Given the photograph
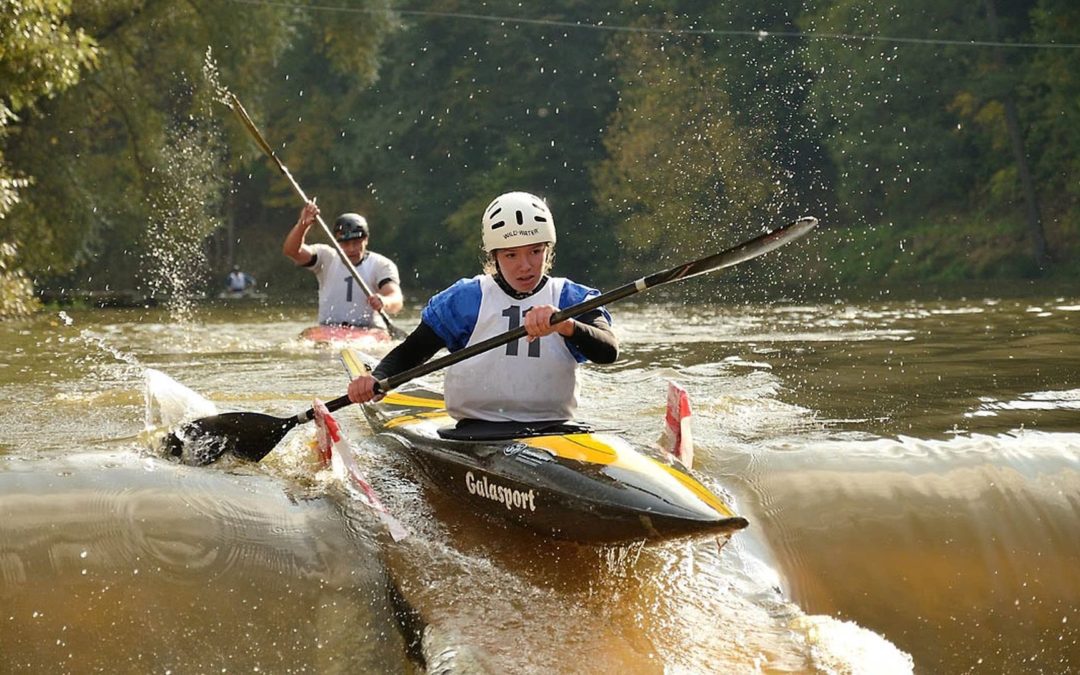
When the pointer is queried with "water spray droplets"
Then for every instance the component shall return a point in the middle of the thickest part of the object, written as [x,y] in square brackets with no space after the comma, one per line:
[213,77]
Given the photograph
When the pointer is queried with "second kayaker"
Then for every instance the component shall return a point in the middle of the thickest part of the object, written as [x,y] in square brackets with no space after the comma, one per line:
[341,303]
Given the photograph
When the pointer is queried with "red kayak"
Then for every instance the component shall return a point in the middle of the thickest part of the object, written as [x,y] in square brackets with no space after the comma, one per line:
[353,335]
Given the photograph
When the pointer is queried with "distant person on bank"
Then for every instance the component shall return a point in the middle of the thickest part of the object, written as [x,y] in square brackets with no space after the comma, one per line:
[341,301]
[238,282]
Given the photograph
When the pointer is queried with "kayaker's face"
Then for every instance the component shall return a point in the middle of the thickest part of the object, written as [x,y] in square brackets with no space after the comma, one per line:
[354,249]
[522,266]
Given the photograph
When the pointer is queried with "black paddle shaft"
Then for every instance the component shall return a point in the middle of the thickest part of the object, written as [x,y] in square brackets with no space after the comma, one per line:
[732,256]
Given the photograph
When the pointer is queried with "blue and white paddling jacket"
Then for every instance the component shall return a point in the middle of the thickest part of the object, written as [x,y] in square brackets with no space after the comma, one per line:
[521,381]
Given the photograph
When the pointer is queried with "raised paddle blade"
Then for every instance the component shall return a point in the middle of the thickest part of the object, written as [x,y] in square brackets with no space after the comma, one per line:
[245,434]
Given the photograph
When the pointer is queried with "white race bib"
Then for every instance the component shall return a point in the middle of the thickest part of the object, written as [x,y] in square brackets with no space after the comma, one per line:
[521,381]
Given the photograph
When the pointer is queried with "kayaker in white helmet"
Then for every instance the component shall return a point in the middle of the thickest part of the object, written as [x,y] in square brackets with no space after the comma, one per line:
[528,380]
[341,301]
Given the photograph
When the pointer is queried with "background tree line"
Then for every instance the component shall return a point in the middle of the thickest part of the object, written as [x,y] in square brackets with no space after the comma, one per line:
[937,141]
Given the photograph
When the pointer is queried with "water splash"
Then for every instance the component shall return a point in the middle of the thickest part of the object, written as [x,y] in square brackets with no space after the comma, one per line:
[186,197]
[620,560]
[845,647]
[213,77]
[130,368]
[169,403]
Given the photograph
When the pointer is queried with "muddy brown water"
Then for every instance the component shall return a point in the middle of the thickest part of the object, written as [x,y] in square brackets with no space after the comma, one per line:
[909,469]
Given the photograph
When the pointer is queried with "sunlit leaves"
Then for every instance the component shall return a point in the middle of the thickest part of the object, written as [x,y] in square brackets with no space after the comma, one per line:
[98,152]
[16,291]
[41,53]
[680,168]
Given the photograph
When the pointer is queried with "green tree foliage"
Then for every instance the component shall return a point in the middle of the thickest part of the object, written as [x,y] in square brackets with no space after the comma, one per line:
[932,135]
[16,291]
[102,155]
[135,150]
[681,171]
[886,106]
[1051,106]
[40,56]
[463,110]
[299,103]
[708,117]
[766,79]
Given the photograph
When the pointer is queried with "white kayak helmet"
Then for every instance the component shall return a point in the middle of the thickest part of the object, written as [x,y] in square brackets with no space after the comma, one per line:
[517,219]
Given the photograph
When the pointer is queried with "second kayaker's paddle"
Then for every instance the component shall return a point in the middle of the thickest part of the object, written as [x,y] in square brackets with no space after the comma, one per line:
[230,99]
[253,435]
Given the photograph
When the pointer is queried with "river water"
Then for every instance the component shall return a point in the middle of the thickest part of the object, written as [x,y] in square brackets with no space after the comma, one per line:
[910,470]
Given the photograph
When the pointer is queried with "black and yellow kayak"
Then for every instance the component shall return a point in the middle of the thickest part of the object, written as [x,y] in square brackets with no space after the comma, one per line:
[565,480]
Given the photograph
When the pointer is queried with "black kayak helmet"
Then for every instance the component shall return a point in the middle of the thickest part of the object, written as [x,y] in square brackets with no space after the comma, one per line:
[350,226]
